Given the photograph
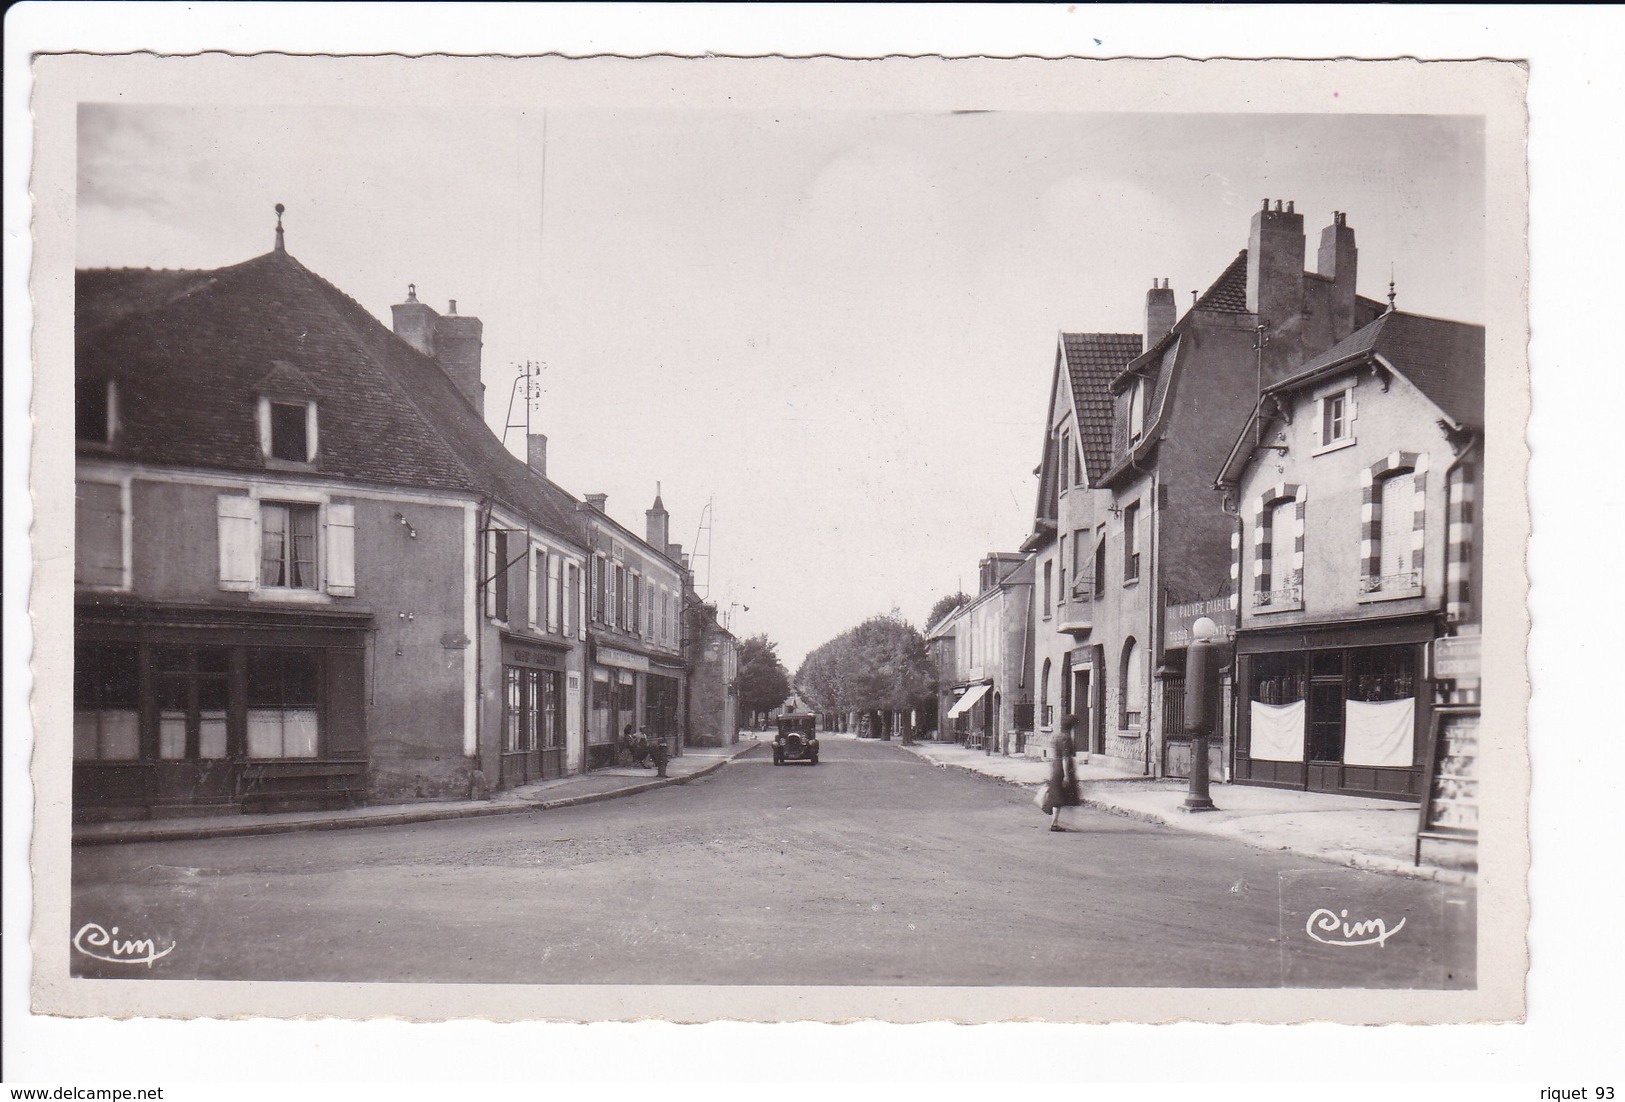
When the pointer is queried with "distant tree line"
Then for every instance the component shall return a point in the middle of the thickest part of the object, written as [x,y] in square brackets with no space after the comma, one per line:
[875,674]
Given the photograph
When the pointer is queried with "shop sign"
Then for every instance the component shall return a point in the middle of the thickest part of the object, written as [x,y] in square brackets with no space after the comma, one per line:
[610,656]
[1457,657]
[530,656]
[1177,621]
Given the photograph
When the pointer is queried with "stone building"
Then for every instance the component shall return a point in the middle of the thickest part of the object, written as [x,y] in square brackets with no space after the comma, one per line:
[306,571]
[635,626]
[1356,549]
[982,672]
[713,657]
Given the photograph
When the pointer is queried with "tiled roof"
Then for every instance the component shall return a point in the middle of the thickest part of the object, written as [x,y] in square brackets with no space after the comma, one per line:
[1092,361]
[192,350]
[1228,295]
[1443,359]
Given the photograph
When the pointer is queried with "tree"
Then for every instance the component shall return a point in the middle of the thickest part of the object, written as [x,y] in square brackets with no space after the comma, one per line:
[881,665]
[763,681]
[943,607]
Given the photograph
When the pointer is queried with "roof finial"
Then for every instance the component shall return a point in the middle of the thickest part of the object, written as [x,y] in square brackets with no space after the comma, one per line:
[1391,287]
[279,247]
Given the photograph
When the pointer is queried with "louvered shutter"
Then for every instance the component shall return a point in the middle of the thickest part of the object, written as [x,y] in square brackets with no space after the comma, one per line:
[237,516]
[341,550]
[552,581]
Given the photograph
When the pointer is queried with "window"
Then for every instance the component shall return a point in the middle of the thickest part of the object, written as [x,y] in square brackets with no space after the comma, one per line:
[634,604]
[99,535]
[1334,426]
[95,412]
[1046,710]
[617,584]
[599,588]
[554,581]
[1133,689]
[1131,551]
[1077,467]
[1100,561]
[573,589]
[287,546]
[536,589]
[271,547]
[288,430]
[283,716]
[106,702]
[1049,572]
[194,685]
[1279,580]
[1392,565]
[1064,471]
[531,717]
[1060,595]
[1136,411]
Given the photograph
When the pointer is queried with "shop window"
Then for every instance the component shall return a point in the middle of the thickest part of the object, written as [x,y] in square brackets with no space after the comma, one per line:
[106,702]
[95,412]
[1133,691]
[194,687]
[287,546]
[283,708]
[288,431]
[1131,548]
[99,545]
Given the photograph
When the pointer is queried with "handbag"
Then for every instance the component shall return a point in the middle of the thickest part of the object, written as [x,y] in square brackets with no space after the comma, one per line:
[1041,799]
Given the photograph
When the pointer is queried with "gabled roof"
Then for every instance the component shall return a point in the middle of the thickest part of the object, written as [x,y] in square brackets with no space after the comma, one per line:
[1228,294]
[1442,359]
[192,350]
[1092,361]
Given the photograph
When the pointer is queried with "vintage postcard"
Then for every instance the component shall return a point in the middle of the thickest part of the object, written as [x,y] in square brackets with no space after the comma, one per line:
[585,539]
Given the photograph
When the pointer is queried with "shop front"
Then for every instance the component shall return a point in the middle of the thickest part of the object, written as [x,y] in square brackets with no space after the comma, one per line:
[533,711]
[662,705]
[1336,708]
[617,683]
[187,712]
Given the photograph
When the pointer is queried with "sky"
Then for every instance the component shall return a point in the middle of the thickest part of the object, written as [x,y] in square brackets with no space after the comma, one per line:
[828,334]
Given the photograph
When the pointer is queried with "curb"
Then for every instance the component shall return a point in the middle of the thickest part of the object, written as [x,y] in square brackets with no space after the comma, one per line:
[400,818]
[1462,877]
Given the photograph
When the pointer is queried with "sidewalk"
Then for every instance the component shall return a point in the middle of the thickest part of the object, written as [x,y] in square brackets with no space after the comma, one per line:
[1378,835]
[601,784]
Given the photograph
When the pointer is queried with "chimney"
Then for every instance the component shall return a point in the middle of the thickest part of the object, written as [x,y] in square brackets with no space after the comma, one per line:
[536,453]
[1339,262]
[1160,313]
[1275,265]
[451,340]
[674,551]
[597,501]
[658,522]
[457,341]
[414,322]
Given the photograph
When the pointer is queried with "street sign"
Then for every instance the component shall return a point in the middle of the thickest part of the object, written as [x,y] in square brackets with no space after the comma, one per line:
[1457,657]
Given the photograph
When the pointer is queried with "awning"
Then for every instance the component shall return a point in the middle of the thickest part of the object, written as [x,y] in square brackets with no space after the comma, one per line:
[972,695]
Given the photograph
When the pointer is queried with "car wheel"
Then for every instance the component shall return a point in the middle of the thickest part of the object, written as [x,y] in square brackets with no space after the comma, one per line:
[813,760]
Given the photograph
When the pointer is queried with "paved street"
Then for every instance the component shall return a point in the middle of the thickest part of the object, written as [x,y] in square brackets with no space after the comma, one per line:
[875,867]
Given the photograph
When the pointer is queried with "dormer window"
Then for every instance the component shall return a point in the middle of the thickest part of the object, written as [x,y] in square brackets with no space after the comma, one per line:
[1136,412]
[95,412]
[288,430]
[1334,427]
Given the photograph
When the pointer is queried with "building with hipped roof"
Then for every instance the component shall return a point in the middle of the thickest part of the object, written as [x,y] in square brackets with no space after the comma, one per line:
[980,652]
[306,570]
[1356,552]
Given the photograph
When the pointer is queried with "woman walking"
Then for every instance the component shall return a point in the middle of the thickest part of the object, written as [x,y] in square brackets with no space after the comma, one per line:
[1063,774]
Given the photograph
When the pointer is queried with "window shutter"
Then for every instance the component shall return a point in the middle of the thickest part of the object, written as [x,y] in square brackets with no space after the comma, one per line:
[490,573]
[554,564]
[99,535]
[237,516]
[530,586]
[341,550]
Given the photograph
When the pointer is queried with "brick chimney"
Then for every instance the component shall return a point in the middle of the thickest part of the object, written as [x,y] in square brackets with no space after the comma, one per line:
[1160,313]
[1339,262]
[1275,265]
[658,522]
[414,321]
[674,551]
[597,501]
[457,341]
[451,340]
[536,453]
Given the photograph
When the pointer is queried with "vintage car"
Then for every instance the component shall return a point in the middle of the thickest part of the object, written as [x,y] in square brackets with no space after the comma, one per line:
[797,739]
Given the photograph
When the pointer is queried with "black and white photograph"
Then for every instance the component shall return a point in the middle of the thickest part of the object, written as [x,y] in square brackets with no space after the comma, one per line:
[917,539]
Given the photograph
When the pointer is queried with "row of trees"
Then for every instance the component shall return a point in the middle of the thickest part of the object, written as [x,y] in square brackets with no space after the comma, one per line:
[879,666]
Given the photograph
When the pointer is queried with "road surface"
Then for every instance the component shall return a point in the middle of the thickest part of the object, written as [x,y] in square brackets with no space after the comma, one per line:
[874,867]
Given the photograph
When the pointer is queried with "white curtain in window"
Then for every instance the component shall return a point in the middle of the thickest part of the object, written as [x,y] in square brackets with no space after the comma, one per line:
[1398,521]
[112,734]
[172,735]
[282,732]
[1379,732]
[1277,731]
